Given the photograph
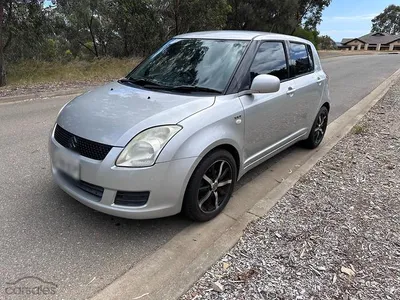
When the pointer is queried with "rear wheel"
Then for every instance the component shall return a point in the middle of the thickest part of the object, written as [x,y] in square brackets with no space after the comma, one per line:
[318,129]
[211,186]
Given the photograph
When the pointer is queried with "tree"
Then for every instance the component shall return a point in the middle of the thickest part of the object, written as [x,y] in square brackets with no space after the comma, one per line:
[137,25]
[325,42]
[21,28]
[264,15]
[81,18]
[181,16]
[388,21]
[87,29]
[309,12]
[2,67]
[283,16]
[311,35]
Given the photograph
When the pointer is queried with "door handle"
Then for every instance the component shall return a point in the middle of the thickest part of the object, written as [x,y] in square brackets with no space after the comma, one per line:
[291,91]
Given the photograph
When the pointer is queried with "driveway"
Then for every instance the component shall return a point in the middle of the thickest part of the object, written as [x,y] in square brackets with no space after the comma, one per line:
[47,234]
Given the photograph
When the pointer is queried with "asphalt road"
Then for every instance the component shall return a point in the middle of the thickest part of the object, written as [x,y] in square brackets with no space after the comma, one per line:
[47,234]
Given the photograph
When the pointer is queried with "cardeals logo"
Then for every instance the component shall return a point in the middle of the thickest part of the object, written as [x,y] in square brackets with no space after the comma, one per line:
[30,285]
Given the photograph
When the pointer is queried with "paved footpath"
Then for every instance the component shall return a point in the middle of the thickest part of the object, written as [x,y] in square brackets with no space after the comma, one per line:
[335,234]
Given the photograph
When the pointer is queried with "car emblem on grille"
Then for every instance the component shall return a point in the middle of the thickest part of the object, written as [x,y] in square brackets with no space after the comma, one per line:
[73,143]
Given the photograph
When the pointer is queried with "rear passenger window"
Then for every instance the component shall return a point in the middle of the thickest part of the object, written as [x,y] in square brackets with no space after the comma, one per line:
[301,61]
[270,59]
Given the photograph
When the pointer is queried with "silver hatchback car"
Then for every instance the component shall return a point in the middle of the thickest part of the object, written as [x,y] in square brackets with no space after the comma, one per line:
[179,130]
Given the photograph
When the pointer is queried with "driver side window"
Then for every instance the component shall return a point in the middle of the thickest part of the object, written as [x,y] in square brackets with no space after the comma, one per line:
[270,59]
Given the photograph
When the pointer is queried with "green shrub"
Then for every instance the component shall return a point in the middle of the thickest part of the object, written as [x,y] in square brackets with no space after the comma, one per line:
[312,36]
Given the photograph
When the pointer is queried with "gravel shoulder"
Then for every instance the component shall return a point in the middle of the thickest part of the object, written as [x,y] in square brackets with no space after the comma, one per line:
[334,235]
[41,90]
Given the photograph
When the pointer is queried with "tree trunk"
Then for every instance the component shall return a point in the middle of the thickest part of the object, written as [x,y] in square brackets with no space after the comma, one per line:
[126,51]
[297,23]
[236,21]
[125,39]
[96,52]
[176,17]
[2,66]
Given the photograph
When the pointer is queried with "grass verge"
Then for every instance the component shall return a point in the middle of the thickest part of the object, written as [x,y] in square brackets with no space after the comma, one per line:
[31,72]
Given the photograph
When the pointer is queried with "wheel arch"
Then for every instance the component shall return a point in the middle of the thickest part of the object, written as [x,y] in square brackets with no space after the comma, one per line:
[222,144]
[232,150]
[198,168]
[227,145]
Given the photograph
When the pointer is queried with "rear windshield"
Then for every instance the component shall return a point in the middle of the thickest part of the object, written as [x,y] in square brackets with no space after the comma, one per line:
[192,62]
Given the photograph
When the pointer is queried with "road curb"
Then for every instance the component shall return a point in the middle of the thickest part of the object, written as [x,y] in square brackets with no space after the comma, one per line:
[172,269]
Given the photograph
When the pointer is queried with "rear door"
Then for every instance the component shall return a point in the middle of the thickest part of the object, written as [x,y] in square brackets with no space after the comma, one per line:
[309,82]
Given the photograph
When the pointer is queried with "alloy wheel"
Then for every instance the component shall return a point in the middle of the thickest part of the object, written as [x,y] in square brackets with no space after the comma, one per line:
[215,185]
[320,127]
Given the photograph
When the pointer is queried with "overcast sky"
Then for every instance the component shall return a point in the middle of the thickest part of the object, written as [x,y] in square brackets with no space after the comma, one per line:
[351,18]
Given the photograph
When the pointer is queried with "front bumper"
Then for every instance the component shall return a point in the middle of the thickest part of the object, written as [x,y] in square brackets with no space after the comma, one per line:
[166,183]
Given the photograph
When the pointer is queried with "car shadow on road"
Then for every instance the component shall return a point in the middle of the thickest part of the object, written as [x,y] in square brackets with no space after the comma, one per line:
[73,243]
[62,215]
[89,217]
[269,165]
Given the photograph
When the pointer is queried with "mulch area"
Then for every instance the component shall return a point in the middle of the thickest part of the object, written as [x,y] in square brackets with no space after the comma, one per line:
[334,235]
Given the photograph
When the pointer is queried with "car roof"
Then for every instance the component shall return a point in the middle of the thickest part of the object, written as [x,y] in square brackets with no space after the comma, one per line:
[238,35]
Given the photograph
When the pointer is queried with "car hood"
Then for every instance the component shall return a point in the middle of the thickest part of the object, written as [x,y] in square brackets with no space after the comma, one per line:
[114,113]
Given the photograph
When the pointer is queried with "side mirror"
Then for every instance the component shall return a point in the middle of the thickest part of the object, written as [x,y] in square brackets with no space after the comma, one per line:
[265,84]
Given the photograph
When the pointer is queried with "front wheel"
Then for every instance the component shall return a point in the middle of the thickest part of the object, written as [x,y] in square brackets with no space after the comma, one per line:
[211,186]
[318,129]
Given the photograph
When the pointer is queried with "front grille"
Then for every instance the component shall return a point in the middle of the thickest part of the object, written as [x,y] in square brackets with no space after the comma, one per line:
[81,145]
[132,198]
[87,187]
[90,188]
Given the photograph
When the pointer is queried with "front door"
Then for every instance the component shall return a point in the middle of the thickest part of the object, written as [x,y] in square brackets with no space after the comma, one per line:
[271,120]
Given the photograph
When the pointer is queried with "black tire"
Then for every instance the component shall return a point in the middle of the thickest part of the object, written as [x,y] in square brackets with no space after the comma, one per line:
[318,129]
[204,181]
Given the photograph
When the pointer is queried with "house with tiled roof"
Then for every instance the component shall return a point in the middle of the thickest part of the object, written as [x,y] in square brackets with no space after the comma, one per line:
[373,41]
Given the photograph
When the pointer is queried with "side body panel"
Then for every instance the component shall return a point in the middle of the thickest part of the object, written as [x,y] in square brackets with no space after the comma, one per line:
[257,126]
[309,90]
[270,120]
[310,87]
[221,124]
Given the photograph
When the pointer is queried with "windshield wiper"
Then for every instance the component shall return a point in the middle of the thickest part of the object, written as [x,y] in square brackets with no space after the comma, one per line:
[180,88]
[194,88]
[141,82]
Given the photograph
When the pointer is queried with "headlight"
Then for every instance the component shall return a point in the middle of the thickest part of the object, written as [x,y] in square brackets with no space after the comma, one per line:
[143,149]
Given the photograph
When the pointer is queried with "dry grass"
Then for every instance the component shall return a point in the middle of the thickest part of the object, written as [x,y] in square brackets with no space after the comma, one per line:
[359,129]
[335,53]
[31,72]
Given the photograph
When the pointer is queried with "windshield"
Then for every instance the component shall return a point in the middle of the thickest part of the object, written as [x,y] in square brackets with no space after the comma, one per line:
[187,63]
